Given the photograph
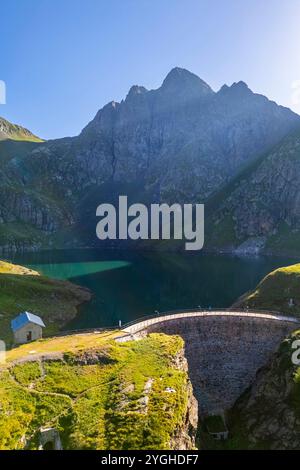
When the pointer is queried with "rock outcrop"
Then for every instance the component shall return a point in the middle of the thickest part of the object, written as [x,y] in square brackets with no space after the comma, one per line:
[267,415]
[263,203]
[185,436]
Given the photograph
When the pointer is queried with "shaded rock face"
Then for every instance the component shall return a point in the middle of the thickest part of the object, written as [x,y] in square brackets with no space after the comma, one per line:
[267,415]
[182,140]
[24,207]
[185,436]
[179,143]
[267,198]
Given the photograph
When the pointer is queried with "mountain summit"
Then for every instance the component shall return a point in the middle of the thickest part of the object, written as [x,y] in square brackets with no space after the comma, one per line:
[181,80]
[181,142]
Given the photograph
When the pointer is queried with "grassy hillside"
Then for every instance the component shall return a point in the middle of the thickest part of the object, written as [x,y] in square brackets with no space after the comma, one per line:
[98,393]
[23,289]
[275,291]
[15,132]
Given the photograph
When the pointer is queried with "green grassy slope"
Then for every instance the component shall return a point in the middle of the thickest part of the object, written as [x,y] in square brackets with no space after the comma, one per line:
[22,289]
[113,396]
[275,291]
[15,132]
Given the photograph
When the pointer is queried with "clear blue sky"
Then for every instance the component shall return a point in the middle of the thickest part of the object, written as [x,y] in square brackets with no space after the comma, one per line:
[62,60]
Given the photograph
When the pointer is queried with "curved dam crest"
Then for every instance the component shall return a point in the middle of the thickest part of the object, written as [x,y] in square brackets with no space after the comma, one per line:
[224,350]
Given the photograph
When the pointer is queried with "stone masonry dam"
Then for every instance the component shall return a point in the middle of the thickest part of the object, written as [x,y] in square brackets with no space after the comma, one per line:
[224,350]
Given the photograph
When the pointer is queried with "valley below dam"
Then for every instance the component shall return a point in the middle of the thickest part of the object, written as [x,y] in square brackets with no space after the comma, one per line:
[128,285]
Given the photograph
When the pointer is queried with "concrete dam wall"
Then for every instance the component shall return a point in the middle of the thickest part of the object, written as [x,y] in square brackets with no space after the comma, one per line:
[224,350]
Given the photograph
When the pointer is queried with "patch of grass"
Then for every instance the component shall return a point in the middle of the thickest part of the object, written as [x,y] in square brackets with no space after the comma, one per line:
[69,379]
[22,410]
[153,422]
[275,291]
[69,346]
[26,373]
[8,268]
[136,400]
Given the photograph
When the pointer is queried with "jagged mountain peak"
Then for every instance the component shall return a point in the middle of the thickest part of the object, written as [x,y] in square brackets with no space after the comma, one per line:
[236,89]
[179,79]
[240,85]
[180,142]
[136,90]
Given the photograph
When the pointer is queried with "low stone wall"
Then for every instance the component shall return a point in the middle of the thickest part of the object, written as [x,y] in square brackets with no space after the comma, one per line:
[223,352]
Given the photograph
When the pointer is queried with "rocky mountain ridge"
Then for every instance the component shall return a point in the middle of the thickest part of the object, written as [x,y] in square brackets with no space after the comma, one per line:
[182,143]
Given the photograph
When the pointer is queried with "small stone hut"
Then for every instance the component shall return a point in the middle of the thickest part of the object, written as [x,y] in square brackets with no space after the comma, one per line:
[27,327]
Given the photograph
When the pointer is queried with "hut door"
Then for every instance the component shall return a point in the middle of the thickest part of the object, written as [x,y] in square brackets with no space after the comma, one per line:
[29,336]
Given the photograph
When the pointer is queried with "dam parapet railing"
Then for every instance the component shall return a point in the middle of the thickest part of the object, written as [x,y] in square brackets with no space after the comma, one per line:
[142,322]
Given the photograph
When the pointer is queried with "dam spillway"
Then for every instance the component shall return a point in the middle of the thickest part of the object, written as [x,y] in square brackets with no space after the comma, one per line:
[224,350]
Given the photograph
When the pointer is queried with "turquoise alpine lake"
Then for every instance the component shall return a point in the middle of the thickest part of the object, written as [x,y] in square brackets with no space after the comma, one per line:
[128,285]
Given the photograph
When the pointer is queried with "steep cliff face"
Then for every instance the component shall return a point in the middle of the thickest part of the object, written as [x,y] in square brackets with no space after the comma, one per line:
[179,143]
[184,438]
[263,205]
[29,214]
[182,140]
[267,416]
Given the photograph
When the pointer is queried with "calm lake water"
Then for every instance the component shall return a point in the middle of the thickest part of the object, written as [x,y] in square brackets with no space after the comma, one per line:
[129,285]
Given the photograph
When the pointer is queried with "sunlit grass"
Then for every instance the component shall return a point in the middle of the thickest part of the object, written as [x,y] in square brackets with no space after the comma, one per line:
[100,394]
